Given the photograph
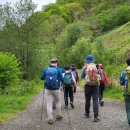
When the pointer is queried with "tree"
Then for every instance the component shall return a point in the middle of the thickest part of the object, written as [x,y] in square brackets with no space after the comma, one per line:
[18,27]
[9,71]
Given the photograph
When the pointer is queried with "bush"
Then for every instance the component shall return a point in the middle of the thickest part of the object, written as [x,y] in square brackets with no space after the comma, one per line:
[9,71]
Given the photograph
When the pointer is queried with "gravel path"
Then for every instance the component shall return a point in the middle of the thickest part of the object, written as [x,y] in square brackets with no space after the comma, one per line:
[112,117]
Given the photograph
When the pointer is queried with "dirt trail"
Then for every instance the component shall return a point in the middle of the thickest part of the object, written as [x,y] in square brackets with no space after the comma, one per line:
[112,117]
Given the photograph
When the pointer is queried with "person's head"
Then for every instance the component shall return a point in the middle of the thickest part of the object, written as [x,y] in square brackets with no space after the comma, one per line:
[54,62]
[100,65]
[89,59]
[67,68]
[128,61]
[73,67]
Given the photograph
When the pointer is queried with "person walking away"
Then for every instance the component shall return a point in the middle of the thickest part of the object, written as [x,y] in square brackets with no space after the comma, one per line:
[52,76]
[125,82]
[91,88]
[103,83]
[76,76]
[69,83]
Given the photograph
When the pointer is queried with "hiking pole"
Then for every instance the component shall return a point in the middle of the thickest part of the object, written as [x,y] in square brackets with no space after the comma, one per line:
[43,93]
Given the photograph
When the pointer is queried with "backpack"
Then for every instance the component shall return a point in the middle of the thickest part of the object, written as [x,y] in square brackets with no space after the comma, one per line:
[128,79]
[122,77]
[74,74]
[125,79]
[68,80]
[91,75]
[51,80]
[102,75]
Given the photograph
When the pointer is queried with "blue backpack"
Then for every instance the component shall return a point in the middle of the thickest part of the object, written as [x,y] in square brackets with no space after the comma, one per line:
[51,80]
[122,77]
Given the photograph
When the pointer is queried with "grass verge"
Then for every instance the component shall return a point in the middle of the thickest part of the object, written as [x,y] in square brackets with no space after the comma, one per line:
[114,93]
[11,104]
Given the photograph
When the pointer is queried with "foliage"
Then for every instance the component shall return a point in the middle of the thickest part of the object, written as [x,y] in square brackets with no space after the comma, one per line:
[69,37]
[111,18]
[58,10]
[9,71]
[78,52]
[76,11]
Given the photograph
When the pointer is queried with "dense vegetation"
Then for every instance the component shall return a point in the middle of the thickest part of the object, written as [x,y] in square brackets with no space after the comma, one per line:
[68,30]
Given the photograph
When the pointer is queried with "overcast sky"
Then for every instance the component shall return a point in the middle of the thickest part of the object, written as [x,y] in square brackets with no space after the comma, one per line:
[39,2]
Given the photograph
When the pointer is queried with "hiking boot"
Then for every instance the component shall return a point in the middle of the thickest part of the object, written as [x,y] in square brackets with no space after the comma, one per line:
[72,105]
[96,119]
[50,121]
[66,106]
[101,103]
[87,115]
[59,117]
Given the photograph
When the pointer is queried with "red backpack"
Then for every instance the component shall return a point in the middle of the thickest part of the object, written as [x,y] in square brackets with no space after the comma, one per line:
[104,79]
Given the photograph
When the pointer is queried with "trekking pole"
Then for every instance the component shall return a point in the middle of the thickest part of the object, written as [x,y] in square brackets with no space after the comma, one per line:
[43,93]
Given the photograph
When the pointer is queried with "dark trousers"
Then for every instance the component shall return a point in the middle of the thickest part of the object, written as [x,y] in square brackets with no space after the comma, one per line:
[91,91]
[127,105]
[68,92]
[101,90]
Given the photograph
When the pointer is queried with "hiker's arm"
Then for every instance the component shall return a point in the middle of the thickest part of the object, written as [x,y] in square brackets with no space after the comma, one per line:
[77,75]
[73,79]
[43,74]
[83,72]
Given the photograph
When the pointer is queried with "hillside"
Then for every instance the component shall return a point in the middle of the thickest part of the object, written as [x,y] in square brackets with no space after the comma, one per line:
[114,46]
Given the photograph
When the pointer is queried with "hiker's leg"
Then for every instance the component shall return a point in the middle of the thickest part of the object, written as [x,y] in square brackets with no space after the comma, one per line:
[71,97]
[95,100]
[49,99]
[71,94]
[87,99]
[66,96]
[101,90]
[100,97]
[127,105]
[56,94]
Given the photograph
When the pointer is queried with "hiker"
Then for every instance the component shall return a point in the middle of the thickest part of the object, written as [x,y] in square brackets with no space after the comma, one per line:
[75,74]
[125,82]
[90,73]
[68,85]
[52,76]
[103,83]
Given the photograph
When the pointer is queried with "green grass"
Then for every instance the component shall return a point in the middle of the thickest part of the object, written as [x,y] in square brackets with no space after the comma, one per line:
[114,93]
[11,104]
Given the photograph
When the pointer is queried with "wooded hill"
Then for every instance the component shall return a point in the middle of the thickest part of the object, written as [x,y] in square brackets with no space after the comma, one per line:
[68,30]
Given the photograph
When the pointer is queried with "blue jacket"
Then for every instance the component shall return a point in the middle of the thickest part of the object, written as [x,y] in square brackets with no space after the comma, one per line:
[83,72]
[60,77]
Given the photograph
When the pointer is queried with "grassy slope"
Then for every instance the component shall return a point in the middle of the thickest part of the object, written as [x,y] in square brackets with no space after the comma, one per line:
[115,45]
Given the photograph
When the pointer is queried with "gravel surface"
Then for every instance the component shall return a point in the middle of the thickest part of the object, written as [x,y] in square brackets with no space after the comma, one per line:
[112,117]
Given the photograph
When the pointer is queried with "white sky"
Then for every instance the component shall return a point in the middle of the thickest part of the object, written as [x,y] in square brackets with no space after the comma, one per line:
[39,2]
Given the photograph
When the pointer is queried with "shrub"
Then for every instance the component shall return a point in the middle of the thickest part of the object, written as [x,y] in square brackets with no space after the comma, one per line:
[9,71]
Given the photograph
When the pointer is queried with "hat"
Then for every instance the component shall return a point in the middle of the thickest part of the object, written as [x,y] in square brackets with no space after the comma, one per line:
[53,60]
[90,59]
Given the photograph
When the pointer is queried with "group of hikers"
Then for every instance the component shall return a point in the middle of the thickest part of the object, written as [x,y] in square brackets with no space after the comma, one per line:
[67,79]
